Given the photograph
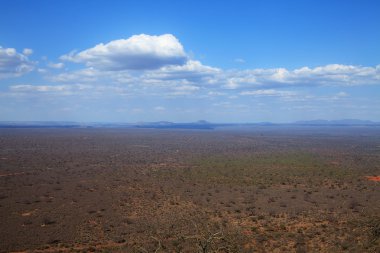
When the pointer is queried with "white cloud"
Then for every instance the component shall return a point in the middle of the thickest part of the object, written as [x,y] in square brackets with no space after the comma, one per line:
[139,52]
[190,67]
[215,93]
[268,93]
[13,64]
[193,72]
[82,75]
[57,65]
[162,62]
[178,80]
[27,51]
[333,74]
[339,95]
[184,90]
[51,89]
[39,88]
[42,71]
[194,77]
[232,83]
[165,68]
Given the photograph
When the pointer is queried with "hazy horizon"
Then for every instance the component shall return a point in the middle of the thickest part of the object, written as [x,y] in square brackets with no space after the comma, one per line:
[322,122]
[224,61]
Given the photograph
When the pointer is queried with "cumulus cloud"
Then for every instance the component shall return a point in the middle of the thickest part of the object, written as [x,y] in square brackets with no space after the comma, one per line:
[177,80]
[333,74]
[191,70]
[162,62]
[82,75]
[196,78]
[13,64]
[165,68]
[139,52]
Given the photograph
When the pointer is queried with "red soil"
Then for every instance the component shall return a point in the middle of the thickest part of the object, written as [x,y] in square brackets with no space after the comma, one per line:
[373,178]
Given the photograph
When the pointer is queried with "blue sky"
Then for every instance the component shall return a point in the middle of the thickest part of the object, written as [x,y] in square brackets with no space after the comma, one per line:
[222,61]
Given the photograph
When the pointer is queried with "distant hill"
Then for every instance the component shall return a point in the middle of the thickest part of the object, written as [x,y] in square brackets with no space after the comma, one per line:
[343,122]
[201,124]
[39,124]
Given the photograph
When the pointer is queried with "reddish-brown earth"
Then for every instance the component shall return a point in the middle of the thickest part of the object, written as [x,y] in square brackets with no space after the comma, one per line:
[259,190]
[373,178]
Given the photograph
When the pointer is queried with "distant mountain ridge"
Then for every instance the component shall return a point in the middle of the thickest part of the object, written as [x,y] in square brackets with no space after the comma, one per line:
[337,122]
[201,124]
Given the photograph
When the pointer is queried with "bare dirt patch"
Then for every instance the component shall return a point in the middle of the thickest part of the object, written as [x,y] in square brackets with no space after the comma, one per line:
[373,178]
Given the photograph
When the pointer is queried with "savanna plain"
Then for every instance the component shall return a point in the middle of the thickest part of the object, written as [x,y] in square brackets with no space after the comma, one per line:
[263,189]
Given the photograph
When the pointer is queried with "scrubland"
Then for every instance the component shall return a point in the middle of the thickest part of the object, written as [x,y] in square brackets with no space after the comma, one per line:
[138,190]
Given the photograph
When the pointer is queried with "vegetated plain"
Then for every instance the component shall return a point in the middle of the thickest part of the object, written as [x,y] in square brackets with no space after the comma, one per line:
[264,189]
